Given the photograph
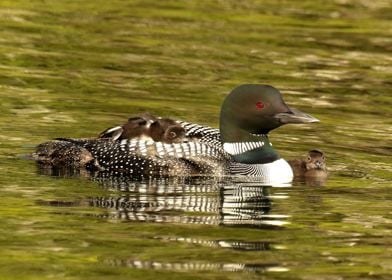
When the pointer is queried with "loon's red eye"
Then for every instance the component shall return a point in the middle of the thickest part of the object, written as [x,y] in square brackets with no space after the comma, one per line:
[259,105]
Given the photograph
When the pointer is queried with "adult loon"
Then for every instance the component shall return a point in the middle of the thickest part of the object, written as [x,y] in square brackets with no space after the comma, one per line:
[240,147]
[147,126]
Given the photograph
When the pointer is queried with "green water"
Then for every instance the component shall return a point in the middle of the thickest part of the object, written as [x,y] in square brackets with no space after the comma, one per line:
[74,68]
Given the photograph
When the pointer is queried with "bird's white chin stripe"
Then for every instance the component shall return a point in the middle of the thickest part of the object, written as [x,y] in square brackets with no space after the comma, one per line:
[241,147]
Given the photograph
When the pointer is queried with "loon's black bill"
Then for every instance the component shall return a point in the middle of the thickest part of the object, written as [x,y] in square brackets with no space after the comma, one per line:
[295,116]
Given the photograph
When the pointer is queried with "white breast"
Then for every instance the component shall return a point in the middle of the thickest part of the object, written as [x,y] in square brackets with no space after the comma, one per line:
[275,172]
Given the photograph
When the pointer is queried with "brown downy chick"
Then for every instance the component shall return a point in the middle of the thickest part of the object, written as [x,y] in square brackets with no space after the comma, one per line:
[147,126]
[135,127]
[167,131]
[313,166]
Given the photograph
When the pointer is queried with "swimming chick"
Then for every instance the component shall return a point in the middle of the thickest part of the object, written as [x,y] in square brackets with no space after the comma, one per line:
[313,166]
[147,126]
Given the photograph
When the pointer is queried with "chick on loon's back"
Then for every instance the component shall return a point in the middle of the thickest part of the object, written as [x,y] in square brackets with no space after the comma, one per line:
[147,126]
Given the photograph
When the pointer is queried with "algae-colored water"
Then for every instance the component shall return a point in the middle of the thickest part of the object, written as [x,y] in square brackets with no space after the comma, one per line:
[74,68]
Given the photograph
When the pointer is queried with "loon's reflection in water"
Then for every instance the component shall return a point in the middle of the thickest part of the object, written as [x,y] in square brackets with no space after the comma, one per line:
[179,200]
[232,244]
[191,200]
[195,266]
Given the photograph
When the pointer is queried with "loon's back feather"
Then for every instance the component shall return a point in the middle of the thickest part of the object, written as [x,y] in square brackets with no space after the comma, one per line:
[203,133]
[200,153]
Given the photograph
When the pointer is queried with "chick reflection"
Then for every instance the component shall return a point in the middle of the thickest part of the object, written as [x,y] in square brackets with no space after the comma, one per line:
[190,201]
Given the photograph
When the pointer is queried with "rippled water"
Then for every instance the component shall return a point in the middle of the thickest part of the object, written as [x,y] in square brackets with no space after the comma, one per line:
[74,68]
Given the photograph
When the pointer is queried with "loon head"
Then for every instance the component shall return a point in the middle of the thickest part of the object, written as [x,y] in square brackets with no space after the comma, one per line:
[248,113]
[255,110]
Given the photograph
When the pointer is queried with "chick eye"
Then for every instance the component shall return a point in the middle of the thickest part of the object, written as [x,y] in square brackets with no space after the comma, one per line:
[173,134]
[309,158]
[259,105]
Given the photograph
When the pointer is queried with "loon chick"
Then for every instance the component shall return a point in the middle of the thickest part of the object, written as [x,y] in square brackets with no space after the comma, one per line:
[313,166]
[147,126]
[240,147]
[135,127]
[167,130]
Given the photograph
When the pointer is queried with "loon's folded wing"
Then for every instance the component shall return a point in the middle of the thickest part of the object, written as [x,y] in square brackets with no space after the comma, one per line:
[202,133]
